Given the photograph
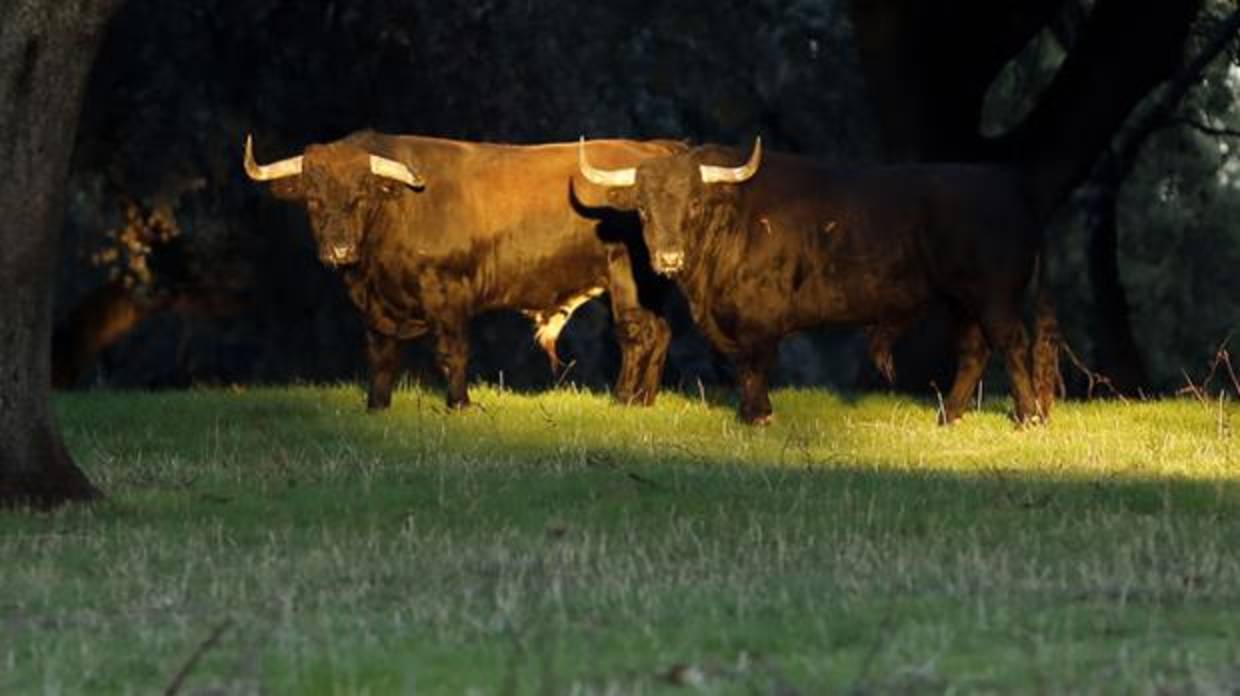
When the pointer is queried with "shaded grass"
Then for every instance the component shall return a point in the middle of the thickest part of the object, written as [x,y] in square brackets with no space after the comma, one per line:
[556,542]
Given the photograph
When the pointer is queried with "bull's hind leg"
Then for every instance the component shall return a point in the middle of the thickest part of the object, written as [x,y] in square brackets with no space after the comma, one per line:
[383,356]
[1046,343]
[1005,331]
[971,356]
[752,371]
[452,356]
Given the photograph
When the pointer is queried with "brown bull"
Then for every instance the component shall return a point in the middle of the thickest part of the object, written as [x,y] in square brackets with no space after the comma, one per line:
[781,244]
[430,232]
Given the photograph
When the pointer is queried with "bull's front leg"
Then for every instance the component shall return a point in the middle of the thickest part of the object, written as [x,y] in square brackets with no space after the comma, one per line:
[642,334]
[753,368]
[383,357]
[452,356]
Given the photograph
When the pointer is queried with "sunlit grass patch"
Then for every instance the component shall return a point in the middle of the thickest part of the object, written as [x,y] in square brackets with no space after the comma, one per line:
[556,541]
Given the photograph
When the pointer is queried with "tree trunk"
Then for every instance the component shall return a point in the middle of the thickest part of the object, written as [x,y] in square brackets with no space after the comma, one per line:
[1117,355]
[46,50]
[1123,53]
[929,65]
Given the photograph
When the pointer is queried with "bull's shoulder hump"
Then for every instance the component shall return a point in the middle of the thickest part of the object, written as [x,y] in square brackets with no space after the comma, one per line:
[465,147]
[427,143]
[649,147]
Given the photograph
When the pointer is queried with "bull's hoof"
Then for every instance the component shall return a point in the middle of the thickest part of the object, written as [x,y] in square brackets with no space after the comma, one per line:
[759,420]
[377,405]
[1025,422]
[951,416]
[640,398]
[459,405]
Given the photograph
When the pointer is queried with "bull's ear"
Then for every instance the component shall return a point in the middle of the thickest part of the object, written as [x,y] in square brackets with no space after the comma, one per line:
[622,197]
[288,189]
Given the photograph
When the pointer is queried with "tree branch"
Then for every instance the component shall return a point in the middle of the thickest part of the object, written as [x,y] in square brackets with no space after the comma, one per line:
[1119,58]
[1174,91]
[1206,128]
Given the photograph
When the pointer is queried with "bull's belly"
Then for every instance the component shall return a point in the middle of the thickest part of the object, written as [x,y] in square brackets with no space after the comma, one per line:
[812,312]
[732,320]
[858,298]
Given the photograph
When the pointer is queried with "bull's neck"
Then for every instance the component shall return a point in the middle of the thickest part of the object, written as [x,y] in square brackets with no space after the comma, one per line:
[720,245]
[706,265]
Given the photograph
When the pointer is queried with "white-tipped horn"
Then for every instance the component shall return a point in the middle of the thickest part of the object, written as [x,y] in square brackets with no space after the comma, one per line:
[398,171]
[734,175]
[275,170]
[604,177]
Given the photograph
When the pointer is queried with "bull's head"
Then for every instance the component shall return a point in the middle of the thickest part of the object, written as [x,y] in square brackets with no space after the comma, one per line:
[672,195]
[342,186]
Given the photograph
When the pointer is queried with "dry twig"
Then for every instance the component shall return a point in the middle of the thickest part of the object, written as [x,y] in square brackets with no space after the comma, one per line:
[1094,378]
[212,640]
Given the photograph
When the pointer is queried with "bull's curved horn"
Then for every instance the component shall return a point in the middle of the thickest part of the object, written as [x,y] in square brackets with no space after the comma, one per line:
[399,171]
[604,177]
[734,175]
[275,170]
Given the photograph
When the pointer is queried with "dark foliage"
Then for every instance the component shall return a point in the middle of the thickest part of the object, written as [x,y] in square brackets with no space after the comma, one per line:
[237,295]
[178,86]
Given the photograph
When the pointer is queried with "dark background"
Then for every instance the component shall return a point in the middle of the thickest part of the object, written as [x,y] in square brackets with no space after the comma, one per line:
[177,270]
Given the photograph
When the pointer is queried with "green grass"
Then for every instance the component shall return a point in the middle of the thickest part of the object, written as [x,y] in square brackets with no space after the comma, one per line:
[556,543]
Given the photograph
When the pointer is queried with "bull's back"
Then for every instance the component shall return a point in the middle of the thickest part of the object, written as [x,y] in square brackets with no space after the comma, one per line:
[840,246]
[507,216]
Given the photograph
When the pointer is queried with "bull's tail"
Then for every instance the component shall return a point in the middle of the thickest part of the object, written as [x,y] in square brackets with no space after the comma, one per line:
[1047,342]
[881,339]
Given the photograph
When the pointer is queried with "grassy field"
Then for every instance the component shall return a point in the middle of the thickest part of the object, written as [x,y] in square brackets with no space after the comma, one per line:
[284,541]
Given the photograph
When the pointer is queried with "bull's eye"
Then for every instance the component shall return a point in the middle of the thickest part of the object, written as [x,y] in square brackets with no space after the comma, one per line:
[314,205]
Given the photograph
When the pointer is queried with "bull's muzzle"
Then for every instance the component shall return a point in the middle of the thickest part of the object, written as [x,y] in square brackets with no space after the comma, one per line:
[338,255]
[668,262]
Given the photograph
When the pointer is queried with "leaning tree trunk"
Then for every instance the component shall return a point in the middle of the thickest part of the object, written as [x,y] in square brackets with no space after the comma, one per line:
[1117,354]
[46,50]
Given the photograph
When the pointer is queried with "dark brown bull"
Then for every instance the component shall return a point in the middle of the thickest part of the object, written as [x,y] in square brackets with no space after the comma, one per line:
[429,232]
[785,243]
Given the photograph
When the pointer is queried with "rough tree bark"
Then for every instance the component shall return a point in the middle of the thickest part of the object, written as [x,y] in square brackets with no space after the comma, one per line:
[46,50]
